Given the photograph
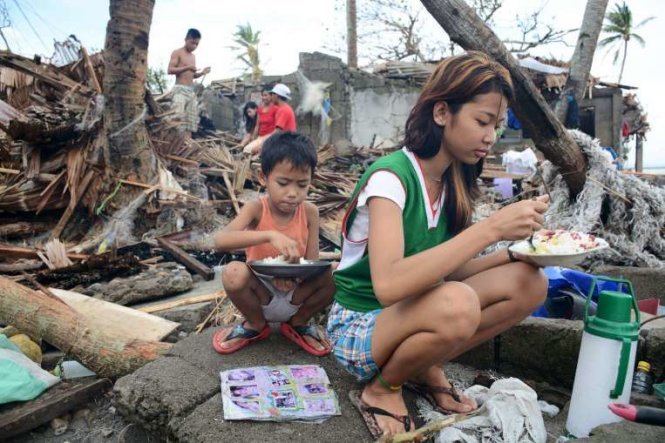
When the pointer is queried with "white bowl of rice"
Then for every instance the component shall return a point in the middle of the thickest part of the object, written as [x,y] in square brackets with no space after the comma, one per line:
[559,247]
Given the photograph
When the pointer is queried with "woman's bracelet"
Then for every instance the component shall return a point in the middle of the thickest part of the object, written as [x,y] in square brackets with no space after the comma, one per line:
[511,257]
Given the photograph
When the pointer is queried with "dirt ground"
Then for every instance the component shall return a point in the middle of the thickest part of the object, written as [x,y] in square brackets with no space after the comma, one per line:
[99,422]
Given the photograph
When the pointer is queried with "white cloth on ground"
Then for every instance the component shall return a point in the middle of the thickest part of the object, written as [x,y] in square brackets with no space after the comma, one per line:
[510,414]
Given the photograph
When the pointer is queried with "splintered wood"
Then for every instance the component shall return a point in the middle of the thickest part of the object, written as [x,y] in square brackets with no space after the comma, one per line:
[53,157]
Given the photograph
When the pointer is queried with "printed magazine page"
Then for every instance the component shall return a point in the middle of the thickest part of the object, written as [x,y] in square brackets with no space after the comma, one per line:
[278,393]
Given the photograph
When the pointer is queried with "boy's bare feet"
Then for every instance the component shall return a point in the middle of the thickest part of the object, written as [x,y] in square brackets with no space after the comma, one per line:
[434,376]
[392,401]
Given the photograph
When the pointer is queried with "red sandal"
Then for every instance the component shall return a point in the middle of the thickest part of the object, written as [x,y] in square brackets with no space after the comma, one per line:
[297,335]
[247,335]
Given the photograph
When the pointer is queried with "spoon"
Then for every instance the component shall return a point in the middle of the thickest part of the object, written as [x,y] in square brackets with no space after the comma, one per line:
[547,191]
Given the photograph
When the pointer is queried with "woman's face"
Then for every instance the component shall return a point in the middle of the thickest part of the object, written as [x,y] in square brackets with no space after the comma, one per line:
[265,96]
[251,112]
[469,135]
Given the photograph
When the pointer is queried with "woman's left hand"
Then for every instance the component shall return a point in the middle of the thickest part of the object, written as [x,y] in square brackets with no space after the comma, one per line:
[526,259]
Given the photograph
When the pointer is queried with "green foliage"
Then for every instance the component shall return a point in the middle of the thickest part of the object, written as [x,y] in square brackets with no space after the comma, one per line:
[620,29]
[247,42]
[156,80]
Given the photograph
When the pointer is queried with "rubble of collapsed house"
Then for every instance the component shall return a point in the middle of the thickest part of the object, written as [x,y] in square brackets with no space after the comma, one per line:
[88,289]
[57,198]
[368,109]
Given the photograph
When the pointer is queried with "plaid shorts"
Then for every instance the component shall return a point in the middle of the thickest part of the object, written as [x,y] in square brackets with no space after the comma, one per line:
[187,107]
[351,335]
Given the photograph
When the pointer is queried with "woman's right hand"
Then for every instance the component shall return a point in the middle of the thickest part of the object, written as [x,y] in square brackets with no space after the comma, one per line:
[286,246]
[519,220]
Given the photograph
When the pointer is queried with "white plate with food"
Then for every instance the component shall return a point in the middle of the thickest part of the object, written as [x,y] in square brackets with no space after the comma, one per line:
[559,247]
[278,267]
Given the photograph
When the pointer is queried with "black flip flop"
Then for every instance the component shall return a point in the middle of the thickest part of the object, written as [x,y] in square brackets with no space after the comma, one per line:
[368,414]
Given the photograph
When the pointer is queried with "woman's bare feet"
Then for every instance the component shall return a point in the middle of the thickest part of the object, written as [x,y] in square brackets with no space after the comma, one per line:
[434,376]
[392,401]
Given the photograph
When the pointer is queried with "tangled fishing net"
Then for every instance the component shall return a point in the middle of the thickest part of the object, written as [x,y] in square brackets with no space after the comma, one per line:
[626,211]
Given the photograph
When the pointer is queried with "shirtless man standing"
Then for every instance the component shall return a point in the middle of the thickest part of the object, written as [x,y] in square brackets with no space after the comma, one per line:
[183,66]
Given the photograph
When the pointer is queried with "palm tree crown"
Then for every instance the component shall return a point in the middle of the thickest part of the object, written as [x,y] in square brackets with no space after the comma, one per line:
[248,42]
[619,26]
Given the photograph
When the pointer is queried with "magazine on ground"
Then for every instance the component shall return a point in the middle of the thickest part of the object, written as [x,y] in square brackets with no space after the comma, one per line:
[278,393]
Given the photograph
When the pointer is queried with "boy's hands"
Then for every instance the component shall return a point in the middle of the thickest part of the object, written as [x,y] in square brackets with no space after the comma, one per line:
[286,246]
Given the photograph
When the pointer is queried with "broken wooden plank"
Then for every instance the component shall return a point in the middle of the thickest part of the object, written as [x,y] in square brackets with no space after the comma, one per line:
[23,229]
[183,302]
[185,259]
[19,252]
[17,418]
[72,204]
[114,319]
[90,70]
[232,194]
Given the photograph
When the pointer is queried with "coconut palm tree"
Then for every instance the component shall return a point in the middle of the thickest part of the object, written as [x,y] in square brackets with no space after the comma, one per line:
[125,69]
[620,27]
[580,64]
[248,42]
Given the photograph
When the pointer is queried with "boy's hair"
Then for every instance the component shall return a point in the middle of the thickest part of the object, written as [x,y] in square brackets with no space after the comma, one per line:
[193,33]
[293,147]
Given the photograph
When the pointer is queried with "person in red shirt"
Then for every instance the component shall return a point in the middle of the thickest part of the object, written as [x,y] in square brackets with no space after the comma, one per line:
[285,118]
[266,126]
[267,112]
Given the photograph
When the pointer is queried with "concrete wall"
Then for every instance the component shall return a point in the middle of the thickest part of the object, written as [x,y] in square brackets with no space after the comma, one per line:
[607,104]
[378,114]
[223,112]
[367,107]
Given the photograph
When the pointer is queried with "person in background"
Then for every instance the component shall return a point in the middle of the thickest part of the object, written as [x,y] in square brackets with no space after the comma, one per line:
[266,125]
[285,118]
[251,117]
[183,65]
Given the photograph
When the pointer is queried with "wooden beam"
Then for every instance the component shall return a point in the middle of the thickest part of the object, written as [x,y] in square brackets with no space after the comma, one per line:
[91,70]
[183,302]
[73,203]
[107,355]
[19,252]
[185,259]
[18,418]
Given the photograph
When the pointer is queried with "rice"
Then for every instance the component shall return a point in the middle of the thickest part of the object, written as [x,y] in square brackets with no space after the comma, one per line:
[561,242]
[280,260]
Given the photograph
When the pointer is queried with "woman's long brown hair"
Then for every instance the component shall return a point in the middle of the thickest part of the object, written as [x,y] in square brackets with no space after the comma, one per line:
[456,81]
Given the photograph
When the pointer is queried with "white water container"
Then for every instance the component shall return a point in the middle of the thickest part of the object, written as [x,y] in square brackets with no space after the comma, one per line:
[606,361]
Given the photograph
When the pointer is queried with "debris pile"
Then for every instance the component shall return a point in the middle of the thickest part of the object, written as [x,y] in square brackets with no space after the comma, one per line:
[52,166]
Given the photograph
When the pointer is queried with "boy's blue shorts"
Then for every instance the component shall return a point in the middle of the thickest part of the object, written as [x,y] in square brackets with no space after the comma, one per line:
[350,332]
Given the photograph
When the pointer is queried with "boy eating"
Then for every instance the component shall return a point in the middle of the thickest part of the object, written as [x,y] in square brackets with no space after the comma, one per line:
[280,223]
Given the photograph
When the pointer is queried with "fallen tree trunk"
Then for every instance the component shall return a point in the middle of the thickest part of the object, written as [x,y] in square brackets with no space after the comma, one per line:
[466,29]
[39,315]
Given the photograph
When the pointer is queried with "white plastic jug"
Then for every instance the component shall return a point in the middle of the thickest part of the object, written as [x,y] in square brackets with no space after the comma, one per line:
[606,360]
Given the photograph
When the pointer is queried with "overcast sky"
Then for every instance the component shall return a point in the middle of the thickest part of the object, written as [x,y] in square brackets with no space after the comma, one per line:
[292,26]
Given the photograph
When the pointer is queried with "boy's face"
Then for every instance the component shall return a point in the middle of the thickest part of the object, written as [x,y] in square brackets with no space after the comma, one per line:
[287,186]
[191,44]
